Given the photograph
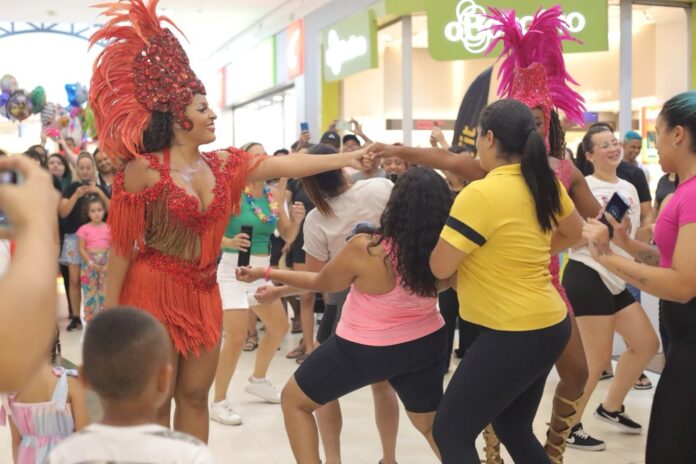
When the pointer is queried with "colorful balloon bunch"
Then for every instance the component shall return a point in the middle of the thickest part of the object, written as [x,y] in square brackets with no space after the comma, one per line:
[75,121]
[17,104]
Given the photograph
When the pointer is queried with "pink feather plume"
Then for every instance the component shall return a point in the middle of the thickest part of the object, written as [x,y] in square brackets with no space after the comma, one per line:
[542,44]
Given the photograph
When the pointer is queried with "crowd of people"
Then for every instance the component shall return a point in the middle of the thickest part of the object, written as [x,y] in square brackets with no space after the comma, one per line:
[170,256]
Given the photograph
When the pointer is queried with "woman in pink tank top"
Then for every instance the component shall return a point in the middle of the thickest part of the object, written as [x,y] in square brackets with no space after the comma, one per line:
[390,328]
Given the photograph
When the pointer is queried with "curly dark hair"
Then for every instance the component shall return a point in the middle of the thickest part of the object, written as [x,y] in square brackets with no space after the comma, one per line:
[159,132]
[557,141]
[412,220]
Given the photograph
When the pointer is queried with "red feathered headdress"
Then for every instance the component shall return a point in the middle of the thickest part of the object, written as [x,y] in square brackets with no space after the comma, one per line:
[142,69]
[533,70]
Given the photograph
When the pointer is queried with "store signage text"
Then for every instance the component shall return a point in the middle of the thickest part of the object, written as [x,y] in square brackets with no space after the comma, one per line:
[459,29]
[295,49]
[350,46]
[472,27]
[339,51]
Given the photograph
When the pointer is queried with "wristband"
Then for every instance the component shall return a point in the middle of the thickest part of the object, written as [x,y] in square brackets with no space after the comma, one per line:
[267,273]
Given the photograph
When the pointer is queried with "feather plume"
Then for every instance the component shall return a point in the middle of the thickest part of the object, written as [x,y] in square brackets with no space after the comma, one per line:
[541,44]
[119,117]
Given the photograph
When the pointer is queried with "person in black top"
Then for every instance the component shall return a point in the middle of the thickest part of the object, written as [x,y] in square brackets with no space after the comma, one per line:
[71,208]
[665,187]
[296,260]
[635,175]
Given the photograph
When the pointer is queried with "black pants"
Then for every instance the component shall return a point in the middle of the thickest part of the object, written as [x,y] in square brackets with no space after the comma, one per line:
[332,314]
[449,308]
[414,369]
[670,436]
[65,273]
[500,381]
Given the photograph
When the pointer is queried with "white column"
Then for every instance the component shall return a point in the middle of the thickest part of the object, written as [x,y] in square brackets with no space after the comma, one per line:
[625,67]
[407,79]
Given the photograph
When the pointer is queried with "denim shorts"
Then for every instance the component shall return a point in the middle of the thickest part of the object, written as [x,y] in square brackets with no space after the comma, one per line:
[70,254]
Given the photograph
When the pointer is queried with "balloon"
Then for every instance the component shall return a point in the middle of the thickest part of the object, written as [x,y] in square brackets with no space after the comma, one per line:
[73,129]
[48,114]
[77,94]
[88,123]
[3,105]
[19,105]
[38,98]
[8,84]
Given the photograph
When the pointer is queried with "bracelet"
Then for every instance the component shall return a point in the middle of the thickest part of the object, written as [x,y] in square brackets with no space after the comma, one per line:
[267,273]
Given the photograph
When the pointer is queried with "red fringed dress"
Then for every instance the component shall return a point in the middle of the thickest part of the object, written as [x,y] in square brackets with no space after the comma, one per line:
[173,248]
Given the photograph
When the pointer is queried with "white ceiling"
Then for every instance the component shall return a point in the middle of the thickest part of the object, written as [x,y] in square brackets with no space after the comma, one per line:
[206,23]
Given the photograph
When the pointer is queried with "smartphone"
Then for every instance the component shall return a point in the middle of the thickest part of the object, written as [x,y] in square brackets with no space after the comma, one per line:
[85,181]
[244,257]
[342,126]
[304,127]
[617,207]
[7,177]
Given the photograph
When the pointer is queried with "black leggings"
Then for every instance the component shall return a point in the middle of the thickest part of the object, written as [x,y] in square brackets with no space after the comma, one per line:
[500,381]
[449,308]
[670,436]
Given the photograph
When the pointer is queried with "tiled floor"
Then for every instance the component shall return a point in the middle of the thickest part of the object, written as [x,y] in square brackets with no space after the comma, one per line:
[262,438]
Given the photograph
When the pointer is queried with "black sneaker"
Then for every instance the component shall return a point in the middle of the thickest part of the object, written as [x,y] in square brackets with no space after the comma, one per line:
[579,439]
[75,324]
[619,419]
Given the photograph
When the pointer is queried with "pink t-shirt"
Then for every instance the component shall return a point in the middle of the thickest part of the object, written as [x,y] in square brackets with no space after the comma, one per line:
[680,210]
[389,319]
[96,237]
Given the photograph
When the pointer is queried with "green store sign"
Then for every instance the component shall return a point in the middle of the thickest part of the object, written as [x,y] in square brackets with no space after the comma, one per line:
[457,29]
[350,46]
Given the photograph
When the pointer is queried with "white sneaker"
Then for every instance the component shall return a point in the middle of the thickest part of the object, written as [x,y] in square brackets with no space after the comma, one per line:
[264,390]
[223,413]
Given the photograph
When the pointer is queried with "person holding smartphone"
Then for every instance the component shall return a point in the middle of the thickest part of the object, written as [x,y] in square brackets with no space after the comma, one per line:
[71,208]
[248,235]
[600,299]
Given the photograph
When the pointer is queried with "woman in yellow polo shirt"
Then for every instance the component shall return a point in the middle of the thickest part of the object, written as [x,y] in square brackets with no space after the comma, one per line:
[500,235]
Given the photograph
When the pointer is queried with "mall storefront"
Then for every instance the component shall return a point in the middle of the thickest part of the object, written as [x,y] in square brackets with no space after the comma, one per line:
[425,78]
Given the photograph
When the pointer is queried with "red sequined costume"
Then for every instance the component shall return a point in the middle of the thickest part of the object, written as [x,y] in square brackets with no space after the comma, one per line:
[172,244]
[174,247]
[533,72]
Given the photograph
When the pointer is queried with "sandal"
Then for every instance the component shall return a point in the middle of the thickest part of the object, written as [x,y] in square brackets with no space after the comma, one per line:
[302,358]
[643,382]
[606,375]
[296,353]
[251,342]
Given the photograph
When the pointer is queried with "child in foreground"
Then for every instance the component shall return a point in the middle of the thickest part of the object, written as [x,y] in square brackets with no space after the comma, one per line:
[46,410]
[126,355]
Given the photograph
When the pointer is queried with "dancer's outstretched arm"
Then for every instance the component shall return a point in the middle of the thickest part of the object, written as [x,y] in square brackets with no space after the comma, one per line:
[338,274]
[458,164]
[300,165]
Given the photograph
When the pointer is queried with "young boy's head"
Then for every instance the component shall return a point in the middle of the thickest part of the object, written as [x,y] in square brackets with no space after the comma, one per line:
[126,357]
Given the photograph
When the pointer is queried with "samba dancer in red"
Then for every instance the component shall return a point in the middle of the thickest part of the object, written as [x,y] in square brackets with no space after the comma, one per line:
[171,202]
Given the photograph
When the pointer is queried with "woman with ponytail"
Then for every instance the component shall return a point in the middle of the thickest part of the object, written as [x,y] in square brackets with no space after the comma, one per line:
[500,235]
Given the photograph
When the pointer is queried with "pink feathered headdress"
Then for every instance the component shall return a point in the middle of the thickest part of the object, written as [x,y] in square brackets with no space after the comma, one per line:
[533,70]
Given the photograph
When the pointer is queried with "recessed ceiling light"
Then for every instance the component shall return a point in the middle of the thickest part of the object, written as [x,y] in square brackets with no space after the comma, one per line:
[51,13]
